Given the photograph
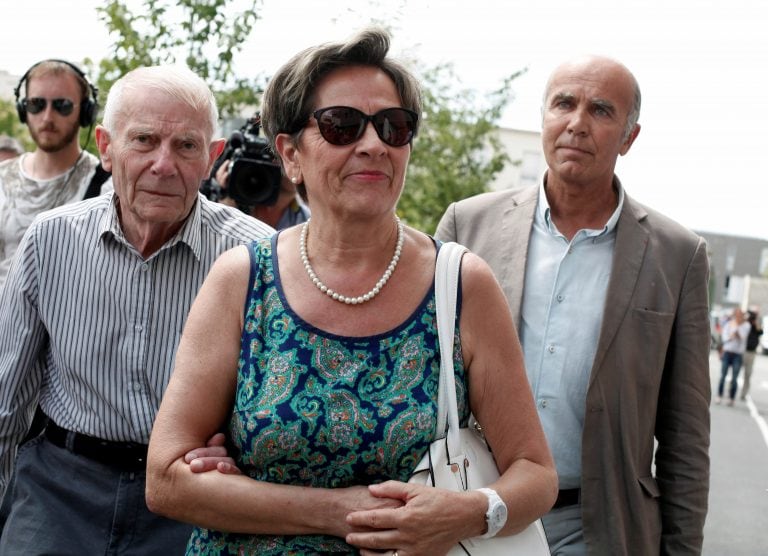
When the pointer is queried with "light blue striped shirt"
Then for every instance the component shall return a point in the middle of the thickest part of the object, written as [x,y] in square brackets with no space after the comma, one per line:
[92,327]
[563,301]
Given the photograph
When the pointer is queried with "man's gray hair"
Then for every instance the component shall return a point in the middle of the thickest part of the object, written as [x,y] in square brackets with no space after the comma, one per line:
[634,114]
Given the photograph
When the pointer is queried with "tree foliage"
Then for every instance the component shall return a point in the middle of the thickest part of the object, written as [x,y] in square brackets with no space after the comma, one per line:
[10,124]
[457,153]
[203,34]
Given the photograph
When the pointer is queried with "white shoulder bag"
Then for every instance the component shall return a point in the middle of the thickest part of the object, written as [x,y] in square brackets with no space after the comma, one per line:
[461,460]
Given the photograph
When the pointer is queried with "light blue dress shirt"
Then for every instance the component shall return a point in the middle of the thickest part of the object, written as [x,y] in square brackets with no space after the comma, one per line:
[563,300]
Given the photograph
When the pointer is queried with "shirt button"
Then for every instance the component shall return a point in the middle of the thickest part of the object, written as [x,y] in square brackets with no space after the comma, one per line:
[137,387]
[543,404]
[560,298]
[144,267]
[551,349]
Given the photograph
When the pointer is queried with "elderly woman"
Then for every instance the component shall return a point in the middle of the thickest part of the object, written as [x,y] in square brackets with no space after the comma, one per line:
[317,350]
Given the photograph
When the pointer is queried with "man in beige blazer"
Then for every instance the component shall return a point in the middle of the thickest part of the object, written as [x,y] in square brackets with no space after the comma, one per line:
[610,298]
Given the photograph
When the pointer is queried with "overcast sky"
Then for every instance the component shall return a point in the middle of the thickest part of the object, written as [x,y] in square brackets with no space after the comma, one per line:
[700,157]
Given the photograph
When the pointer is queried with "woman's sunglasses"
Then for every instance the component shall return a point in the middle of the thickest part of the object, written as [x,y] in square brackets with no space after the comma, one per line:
[35,105]
[343,125]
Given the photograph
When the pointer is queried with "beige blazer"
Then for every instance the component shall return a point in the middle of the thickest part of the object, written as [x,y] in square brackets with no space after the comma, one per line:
[650,378]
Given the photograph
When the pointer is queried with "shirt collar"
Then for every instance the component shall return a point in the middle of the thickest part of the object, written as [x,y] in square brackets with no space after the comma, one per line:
[543,210]
[188,234]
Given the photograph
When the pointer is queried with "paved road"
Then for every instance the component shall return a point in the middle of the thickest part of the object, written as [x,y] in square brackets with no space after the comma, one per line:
[737,523]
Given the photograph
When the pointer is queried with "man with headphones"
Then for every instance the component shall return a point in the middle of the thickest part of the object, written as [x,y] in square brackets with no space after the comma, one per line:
[55,99]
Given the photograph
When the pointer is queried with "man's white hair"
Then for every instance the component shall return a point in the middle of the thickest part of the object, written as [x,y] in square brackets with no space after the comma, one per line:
[177,81]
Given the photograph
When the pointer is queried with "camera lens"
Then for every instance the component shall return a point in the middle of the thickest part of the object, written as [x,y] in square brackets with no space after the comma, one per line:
[254,182]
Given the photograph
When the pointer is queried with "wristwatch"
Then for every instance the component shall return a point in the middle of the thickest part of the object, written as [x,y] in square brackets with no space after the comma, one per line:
[496,516]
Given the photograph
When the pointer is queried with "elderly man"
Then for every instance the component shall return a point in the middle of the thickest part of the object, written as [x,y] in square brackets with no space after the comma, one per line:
[92,312]
[611,302]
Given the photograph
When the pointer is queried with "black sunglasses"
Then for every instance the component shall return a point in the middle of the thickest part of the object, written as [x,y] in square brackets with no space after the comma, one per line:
[35,105]
[343,125]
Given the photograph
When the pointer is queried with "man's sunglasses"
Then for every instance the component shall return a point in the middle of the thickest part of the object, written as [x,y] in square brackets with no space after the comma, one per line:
[35,105]
[343,125]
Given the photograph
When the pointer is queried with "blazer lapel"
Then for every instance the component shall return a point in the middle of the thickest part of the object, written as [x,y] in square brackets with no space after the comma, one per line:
[628,255]
[516,225]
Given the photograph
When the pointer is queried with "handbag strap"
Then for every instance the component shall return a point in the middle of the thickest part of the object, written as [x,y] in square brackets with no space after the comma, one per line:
[446,287]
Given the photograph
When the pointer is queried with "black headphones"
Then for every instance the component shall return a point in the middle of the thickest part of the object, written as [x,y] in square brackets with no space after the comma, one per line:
[88,107]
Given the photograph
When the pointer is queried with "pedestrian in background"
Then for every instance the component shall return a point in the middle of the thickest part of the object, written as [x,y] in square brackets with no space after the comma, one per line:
[9,147]
[735,333]
[753,340]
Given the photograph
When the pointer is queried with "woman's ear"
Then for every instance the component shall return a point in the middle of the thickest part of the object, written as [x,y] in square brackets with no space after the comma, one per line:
[289,154]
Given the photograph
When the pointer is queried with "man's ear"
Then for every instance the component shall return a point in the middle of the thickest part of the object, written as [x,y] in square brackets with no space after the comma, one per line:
[102,142]
[629,140]
[214,151]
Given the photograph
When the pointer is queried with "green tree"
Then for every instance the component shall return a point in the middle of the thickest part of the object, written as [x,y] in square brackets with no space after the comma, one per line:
[457,153]
[203,34]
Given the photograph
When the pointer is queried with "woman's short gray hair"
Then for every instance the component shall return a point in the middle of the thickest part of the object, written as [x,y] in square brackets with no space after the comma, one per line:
[288,98]
[176,81]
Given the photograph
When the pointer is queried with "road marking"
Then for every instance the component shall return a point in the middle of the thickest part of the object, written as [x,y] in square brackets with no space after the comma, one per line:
[761,424]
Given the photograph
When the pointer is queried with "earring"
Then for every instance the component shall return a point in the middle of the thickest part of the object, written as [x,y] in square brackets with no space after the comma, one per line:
[294,179]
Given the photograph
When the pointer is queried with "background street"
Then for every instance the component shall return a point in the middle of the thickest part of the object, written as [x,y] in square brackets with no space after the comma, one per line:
[737,523]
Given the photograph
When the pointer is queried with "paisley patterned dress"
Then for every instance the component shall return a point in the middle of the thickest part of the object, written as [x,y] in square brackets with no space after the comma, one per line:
[317,409]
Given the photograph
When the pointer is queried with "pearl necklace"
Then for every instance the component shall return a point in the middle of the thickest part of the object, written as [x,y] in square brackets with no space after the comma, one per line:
[343,298]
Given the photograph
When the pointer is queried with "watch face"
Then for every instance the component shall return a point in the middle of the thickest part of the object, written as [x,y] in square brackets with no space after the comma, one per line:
[498,516]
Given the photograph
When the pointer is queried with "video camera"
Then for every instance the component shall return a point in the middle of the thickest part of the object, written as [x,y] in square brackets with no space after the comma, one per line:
[254,175]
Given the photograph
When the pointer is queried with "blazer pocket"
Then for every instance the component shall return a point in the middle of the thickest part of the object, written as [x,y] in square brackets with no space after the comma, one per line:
[650,487]
[653,317]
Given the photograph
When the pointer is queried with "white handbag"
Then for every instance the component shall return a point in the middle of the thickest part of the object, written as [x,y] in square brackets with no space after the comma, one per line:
[460,459]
